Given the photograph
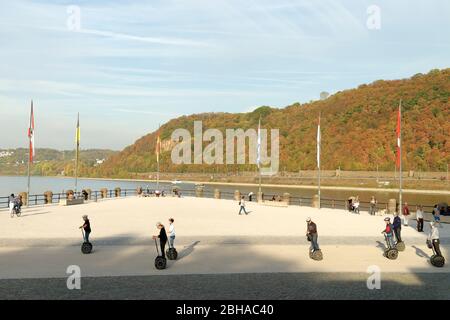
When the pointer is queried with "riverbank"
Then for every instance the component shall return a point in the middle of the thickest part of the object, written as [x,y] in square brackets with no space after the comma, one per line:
[269,185]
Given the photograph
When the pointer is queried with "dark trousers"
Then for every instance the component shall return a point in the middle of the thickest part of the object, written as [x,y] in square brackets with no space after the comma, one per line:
[163,248]
[398,235]
[420,225]
[86,236]
[436,247]
[242,208]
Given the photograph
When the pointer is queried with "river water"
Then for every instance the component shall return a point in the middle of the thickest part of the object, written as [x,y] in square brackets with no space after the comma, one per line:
[16,184]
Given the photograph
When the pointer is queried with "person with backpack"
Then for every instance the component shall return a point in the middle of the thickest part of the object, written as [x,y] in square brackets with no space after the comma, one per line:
[389,232]
[242,205]
[162,238]
[312,235]
[397,225]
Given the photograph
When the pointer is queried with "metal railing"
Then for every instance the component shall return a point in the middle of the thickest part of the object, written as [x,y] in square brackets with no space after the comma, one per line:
[41,199]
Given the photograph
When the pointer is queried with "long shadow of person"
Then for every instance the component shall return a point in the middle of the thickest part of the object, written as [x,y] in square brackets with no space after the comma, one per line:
[421,253]
[187,250]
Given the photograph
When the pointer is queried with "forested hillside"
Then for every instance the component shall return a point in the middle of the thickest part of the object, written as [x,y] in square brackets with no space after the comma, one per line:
[358,130]
[50,162]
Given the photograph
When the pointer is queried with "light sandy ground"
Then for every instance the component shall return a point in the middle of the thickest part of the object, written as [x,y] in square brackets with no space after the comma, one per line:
[211,238]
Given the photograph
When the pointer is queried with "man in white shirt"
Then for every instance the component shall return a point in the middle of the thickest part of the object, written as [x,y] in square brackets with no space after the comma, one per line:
[171,233]
[433,236]
[419,218]
[242,205]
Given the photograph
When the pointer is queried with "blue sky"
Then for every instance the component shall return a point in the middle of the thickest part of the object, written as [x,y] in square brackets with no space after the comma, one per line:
[135,64]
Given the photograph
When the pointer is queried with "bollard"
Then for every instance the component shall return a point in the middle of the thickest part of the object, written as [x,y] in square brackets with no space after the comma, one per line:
[315,201]
[117,192]
[89,194]
[199,191]
[48,197]
[392,206]
[69,194]
[217,194]
[24,197]
[237,195]
[260,196]
[103,193]
[286,198]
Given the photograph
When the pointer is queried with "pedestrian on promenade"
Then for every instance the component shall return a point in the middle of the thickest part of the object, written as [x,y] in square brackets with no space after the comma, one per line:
[433,237]
[406,214]
[242,205]
[86,227]
[356,205]
[373,206]
[311,233]
[171,233]
[162,238]
[11,199]
[250,196]
[397,225]
[419,218]
[389,232]
[437,214]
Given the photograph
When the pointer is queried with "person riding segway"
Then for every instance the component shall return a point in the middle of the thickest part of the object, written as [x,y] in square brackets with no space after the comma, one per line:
[172,253]
[397,225]
[390,252]
[86,247]
[311,235]
[437,259]
[160,261]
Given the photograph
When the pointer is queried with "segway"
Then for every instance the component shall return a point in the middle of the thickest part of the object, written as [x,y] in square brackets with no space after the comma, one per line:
[171,253]
[86,247]
[390,253]
[435,260]
[400,246]
[160,261]
[316,254]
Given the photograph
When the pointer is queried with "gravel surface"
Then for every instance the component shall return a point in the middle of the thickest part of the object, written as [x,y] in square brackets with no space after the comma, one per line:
[235,286]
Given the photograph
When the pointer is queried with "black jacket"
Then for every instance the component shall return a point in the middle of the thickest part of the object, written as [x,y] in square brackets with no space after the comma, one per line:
[162,235]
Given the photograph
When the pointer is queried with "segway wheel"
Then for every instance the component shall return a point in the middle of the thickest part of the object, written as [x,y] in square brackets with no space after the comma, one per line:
[86,247]
[392,254]
[19,212]
[437,261]
[316,255]
[160,263]
[172,254]
[400,246]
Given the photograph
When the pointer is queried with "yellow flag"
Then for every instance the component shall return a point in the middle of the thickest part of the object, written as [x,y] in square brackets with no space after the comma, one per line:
[158,147]
[77,134]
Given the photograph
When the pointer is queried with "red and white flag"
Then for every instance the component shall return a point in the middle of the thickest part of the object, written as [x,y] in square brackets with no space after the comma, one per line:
[31,134]
[399,134]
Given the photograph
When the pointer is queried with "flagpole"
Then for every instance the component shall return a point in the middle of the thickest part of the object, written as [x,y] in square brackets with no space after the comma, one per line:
[30,152]
[158,142]
[28,185]
[319,138]
[400,155]
[259,159]
[77,152]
